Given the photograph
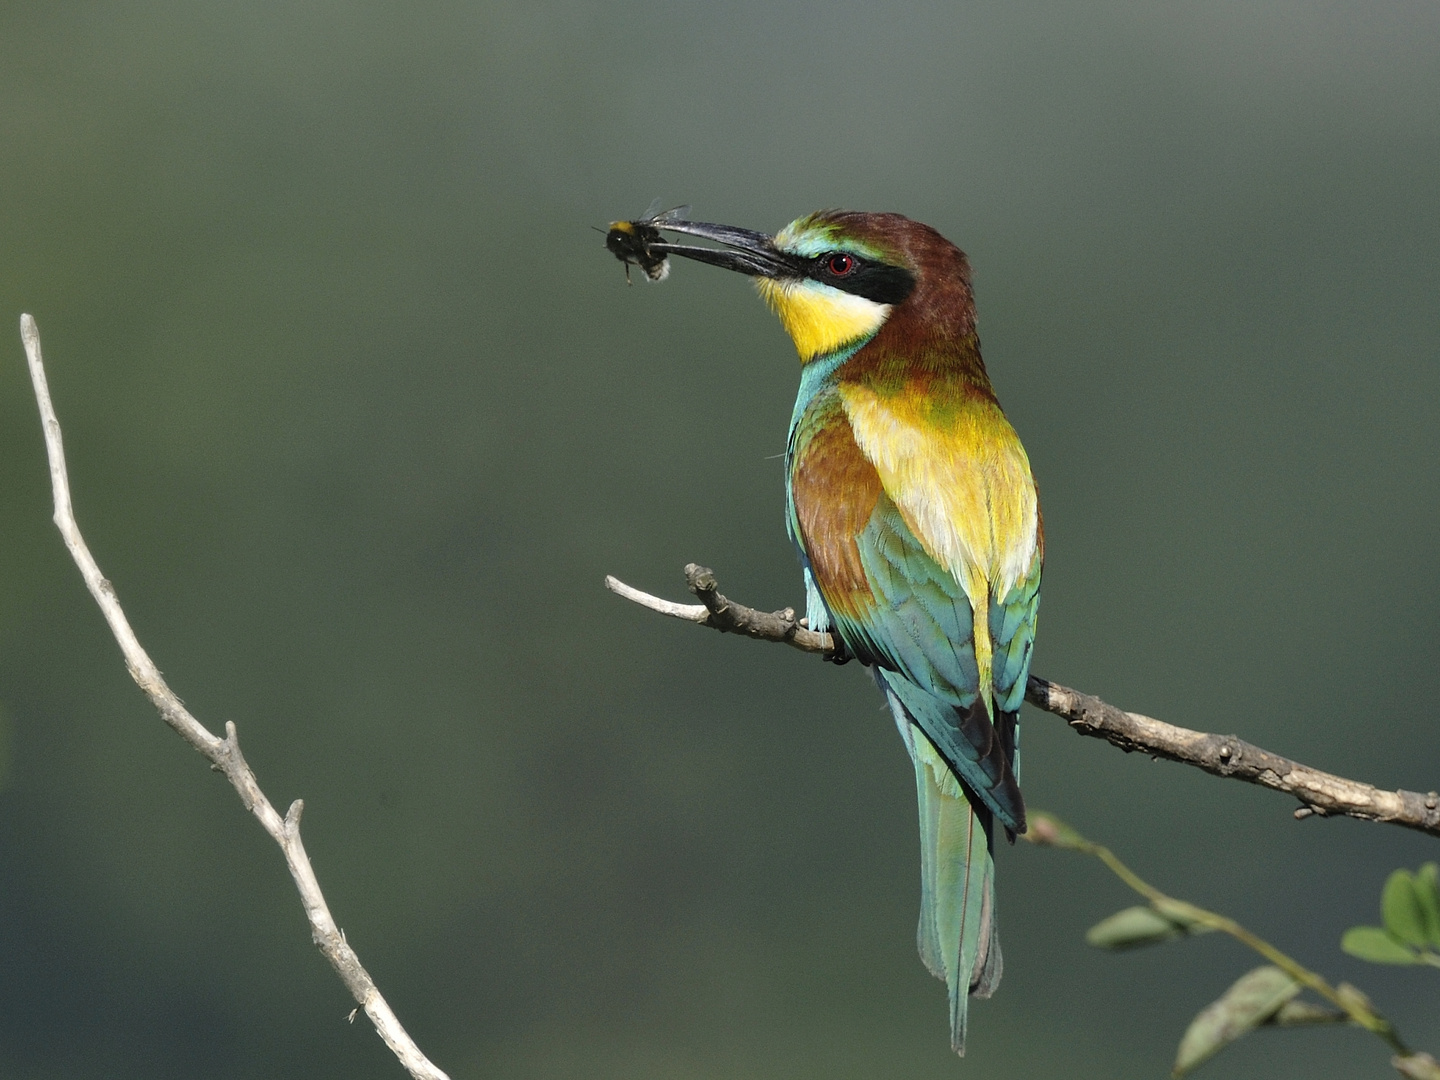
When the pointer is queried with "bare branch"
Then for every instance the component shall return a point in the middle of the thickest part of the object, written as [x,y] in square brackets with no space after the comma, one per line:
[224,753]
[1319,792]
[728,617]
[1228,755]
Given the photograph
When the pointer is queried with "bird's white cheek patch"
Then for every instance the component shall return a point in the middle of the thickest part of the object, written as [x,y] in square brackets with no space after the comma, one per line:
[820,319]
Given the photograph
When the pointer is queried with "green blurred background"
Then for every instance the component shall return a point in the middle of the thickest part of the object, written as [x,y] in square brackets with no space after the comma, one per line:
[359,413]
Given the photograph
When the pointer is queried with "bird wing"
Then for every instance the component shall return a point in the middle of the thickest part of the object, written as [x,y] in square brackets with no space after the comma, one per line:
[900,604]
[1012,637]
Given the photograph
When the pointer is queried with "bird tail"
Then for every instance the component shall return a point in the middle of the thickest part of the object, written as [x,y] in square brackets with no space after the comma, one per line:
[958,936]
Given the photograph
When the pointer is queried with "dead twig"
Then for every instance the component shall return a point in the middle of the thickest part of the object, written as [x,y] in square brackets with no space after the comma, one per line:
[224,753]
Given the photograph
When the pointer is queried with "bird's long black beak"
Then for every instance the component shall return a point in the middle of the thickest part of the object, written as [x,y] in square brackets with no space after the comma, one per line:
[746,251]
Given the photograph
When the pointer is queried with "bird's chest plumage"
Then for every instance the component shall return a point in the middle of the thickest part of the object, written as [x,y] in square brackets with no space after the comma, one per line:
[953,471]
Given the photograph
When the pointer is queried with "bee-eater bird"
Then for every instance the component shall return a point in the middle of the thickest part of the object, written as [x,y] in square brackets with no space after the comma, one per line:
[917,520]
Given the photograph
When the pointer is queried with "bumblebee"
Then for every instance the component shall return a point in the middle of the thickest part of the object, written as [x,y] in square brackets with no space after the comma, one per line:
[630,241]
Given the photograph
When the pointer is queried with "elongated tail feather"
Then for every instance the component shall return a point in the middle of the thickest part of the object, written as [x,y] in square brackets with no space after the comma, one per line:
[958,936]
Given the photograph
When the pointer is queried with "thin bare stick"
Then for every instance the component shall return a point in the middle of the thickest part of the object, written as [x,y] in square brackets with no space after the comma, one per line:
[1320,793]
[728,617]
[224,753]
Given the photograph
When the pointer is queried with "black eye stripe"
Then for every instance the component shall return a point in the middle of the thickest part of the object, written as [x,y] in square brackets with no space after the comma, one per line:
[875,281]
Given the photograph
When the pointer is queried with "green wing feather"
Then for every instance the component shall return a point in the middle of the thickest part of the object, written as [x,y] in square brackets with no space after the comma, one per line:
[919,627]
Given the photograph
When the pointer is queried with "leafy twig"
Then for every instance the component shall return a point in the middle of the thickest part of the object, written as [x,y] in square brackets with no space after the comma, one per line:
[1049,831]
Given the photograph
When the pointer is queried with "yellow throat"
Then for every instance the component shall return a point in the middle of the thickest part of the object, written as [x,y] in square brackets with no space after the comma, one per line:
[818,318]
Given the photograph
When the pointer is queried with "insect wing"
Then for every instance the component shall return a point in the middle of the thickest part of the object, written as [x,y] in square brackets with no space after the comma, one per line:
[675,213]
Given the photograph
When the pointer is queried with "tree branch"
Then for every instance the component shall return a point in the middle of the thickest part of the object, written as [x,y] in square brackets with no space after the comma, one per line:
[1319,792]
[224,754]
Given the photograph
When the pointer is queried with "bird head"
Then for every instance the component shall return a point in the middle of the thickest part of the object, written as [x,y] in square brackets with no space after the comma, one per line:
[837,277]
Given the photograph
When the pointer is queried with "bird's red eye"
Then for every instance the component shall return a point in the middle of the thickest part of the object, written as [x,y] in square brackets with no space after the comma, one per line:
[840,265]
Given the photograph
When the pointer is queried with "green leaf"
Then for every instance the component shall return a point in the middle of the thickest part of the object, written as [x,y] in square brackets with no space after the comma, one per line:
[1373,944]
[1427,890]
[1252,1000]
[1139,926]
[1402,910]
